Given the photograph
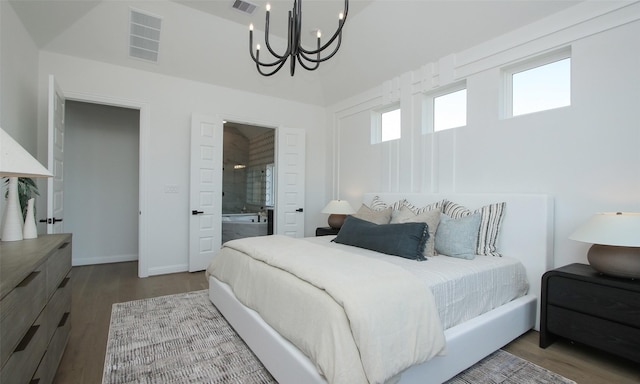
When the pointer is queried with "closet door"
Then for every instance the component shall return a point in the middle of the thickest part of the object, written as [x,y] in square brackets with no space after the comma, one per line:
[55,206]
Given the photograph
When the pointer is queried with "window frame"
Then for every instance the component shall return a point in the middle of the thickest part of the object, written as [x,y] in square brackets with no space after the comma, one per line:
[528,64]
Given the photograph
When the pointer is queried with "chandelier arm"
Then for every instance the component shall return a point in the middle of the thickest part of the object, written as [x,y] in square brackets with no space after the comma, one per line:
[272,72]
[302,57]
[320,60]
[336,34]
[266,40]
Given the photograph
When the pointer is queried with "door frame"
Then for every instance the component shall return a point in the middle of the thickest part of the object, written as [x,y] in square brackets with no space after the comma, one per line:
[144,126]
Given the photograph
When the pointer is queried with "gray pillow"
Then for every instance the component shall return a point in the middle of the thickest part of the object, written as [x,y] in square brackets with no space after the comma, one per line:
[405,240]
[432,218]
[458,237]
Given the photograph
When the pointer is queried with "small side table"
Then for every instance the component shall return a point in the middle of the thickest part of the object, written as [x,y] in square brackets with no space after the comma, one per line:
[326,231]
[582,305]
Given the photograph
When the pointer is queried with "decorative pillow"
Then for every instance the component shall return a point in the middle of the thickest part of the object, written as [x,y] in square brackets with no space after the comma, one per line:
[437,205]
[382,216]
[377,204]
[406,240]
[489,226]
[458,237]
[431,217]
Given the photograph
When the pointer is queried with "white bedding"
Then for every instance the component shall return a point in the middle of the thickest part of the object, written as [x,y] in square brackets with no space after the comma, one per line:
[463,289]
[347,303]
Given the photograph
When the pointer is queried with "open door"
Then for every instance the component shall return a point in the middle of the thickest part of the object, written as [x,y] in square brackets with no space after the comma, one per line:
[55,158]
[205,196]
[290,163]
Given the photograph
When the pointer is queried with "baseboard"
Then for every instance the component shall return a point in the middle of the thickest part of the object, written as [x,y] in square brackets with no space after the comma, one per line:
[168,269]
[79,261]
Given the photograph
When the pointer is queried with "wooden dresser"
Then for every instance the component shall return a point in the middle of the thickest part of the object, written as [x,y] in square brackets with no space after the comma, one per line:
[35,304]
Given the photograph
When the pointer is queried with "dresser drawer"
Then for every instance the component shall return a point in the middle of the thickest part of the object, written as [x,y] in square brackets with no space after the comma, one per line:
[26,356]
[59,304]
[19,309]
[46,371]
[57,266]
[619,305]
[610,336]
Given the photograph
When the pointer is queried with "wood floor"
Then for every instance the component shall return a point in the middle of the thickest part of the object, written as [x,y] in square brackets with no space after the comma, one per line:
[96,288]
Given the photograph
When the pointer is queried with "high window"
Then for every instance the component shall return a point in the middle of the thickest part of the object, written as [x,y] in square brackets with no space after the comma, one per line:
[385,125]
[538,85]
[450,110]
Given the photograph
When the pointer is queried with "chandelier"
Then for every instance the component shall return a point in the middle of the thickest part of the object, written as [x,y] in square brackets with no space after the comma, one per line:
[309,59]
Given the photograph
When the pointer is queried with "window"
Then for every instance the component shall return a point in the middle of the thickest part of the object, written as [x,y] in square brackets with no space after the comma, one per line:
[450,110]
[539,85]
[385,125]
[390,125]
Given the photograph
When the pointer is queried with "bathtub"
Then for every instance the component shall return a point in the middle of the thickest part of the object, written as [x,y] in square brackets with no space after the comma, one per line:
[239,225]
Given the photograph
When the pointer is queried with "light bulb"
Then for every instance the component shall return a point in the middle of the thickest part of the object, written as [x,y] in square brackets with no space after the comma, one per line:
[251,27]
[257,47]
[319,34]
[341,16]
[268,7]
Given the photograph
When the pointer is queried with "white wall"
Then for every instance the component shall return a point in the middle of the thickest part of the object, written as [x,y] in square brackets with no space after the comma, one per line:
[587,155]
[170,103]
[18,85]
[101,156]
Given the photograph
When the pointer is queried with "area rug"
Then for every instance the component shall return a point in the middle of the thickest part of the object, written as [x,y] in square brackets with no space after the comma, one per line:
[183,338]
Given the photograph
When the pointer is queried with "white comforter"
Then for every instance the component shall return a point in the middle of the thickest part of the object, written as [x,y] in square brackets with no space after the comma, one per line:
[359,320]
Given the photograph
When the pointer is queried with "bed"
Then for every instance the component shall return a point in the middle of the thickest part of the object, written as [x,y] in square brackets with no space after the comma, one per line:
[526,234]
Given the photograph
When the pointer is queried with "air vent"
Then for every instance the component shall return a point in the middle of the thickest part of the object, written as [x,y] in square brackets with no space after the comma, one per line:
[144,36]
[244,6]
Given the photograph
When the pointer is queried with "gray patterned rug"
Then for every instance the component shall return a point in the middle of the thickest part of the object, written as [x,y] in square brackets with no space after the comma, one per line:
[184,339]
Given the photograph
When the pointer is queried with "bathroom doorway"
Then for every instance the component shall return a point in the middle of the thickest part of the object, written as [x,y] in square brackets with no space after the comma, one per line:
[248,181]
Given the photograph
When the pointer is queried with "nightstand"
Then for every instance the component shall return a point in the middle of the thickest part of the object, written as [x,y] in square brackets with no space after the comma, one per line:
[326,231]
[585,306]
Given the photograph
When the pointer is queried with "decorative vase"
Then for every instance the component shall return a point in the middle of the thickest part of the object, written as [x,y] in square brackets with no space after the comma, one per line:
[30,230]
[12,221]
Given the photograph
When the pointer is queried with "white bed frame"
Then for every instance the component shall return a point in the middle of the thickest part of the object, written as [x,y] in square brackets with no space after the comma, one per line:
[526,234]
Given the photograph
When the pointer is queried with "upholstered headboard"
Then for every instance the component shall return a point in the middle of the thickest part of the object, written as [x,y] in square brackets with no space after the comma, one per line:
[526,232]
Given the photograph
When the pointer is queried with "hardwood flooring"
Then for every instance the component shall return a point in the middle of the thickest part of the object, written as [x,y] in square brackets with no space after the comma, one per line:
[97,287]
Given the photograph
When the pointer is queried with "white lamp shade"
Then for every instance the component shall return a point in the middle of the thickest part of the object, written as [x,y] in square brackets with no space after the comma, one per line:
[15,161]
[338,207]
[610,228]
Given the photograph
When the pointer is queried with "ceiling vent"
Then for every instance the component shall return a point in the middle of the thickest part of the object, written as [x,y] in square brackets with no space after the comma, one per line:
[144,36]
[244,6]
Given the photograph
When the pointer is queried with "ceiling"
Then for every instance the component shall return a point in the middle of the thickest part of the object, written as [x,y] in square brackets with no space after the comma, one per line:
[207,40]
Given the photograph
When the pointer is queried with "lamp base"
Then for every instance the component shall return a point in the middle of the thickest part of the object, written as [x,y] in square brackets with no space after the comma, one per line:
[335,220]
[615,261]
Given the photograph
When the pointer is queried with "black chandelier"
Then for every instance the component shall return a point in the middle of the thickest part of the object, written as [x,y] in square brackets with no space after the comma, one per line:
[308,59]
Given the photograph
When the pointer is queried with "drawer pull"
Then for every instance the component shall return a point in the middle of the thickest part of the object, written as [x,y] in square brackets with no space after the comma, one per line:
[64,319]
[27,338]
[64,245]
[28,279]
[34,381]
[64,282]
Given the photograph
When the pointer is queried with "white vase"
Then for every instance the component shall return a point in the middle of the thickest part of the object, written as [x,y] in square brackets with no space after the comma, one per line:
[12,220]
[30,230]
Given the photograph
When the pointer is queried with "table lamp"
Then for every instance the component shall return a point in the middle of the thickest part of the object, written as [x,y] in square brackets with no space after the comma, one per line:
[338,211]
[15,162]
[616,243]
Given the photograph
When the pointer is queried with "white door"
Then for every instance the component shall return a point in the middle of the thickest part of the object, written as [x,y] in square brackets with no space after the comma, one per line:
[55,158]
[205,197]
[290,163]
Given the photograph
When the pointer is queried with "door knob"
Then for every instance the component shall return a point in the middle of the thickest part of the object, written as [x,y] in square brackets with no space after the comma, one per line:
[195,212]
[299,210]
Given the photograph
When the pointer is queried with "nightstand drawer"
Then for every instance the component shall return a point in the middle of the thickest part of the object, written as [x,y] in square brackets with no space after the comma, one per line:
[619,305]
[619,339]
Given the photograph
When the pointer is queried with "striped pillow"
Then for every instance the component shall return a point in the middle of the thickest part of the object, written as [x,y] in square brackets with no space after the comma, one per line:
[489,225]
[377,204]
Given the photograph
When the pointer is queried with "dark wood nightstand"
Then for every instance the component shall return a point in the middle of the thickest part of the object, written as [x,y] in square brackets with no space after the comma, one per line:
[587,307]
[326,231]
